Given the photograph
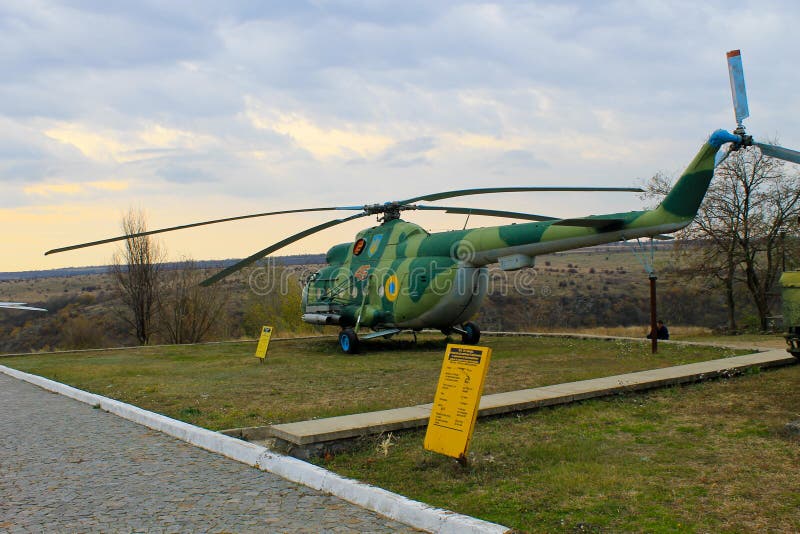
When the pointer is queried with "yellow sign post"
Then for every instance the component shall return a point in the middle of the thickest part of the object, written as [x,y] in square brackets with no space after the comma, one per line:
[458,394]
[263,342]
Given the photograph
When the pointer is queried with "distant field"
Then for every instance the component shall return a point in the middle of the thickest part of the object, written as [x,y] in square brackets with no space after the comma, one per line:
[594,288]
[223,386]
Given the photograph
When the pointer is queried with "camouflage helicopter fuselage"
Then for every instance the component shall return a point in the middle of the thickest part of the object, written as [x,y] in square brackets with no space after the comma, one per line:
[397,275]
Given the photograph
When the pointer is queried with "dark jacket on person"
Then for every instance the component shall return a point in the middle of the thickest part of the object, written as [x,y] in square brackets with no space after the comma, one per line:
[661,332]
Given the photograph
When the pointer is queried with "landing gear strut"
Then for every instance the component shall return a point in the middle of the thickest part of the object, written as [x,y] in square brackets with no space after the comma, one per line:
[348,341]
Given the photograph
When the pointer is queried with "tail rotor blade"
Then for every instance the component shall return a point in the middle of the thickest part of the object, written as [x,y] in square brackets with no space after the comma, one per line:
[775,151]
[721,156]
[738,90]
[739,95]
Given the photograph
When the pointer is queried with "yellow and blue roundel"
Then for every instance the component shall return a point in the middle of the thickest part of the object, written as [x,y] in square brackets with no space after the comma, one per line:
[391,288]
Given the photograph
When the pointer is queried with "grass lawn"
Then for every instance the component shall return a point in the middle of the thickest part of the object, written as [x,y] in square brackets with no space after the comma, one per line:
[223,386]
[708,457]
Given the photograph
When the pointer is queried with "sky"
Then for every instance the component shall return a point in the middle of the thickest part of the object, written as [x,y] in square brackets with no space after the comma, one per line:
[193,110]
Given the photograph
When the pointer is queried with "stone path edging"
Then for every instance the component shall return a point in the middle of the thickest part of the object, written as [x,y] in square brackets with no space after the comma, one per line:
[391,505]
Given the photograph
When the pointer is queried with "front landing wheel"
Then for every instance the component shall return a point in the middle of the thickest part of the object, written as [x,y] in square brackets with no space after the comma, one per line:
[471,335]
[348,341]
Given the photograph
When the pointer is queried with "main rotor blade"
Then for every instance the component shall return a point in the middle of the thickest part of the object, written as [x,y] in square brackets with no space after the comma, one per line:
[483,191]
[19,306]
[277,246]
[192,225]
[779,152]
[738,90]
[489,213]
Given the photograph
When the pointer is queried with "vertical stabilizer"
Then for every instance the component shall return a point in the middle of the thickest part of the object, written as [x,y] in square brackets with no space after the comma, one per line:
[687,194]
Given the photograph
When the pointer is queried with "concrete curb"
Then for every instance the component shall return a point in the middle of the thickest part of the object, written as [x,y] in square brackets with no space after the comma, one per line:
[386,503]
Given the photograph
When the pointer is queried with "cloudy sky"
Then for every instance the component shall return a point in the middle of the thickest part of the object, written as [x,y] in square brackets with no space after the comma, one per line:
[194,110]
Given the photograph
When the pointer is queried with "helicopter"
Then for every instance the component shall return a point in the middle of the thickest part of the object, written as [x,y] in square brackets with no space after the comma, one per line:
[396,276]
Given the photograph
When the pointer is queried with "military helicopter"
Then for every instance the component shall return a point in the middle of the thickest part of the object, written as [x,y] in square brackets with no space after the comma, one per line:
[396,276]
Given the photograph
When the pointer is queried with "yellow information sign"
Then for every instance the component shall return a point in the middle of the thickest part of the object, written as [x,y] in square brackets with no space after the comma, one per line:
[263,342]
[458,394]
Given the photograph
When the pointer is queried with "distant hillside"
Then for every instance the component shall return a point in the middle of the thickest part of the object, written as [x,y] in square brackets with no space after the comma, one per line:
[299,259]
[588,288]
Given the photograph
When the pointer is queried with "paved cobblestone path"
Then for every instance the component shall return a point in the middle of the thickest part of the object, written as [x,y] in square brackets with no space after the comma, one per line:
[67,467]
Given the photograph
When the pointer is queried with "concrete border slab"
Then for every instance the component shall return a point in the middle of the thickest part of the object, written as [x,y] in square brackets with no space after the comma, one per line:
[304,434]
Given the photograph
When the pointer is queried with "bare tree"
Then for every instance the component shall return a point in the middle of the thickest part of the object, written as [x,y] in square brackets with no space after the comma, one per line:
[187,311]
[709,248]
[766,204]
[136,269]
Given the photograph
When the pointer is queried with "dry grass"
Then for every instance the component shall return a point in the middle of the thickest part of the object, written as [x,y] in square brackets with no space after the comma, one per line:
[676,331]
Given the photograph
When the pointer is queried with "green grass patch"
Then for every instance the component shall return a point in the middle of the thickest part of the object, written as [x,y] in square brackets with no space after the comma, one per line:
[223,386]
[703,458]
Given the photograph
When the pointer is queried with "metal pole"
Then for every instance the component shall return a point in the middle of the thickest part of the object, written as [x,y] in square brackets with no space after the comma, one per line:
[653,331]
[783,251]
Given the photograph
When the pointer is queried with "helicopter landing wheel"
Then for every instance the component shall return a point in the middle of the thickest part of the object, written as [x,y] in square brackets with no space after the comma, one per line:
[471,334]
[348,341]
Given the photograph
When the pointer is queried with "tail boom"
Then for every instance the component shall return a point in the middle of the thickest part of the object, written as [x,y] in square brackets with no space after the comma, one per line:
[483,246]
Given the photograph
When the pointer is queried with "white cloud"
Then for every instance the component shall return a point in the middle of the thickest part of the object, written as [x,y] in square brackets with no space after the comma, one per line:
[73,188]
[344,141]
[227,107]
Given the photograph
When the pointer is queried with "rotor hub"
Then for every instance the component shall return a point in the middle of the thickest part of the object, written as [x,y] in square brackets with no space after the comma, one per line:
[389,210]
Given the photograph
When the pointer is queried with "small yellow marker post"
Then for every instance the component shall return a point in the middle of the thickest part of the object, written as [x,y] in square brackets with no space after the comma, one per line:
[455,407]
[263,343]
